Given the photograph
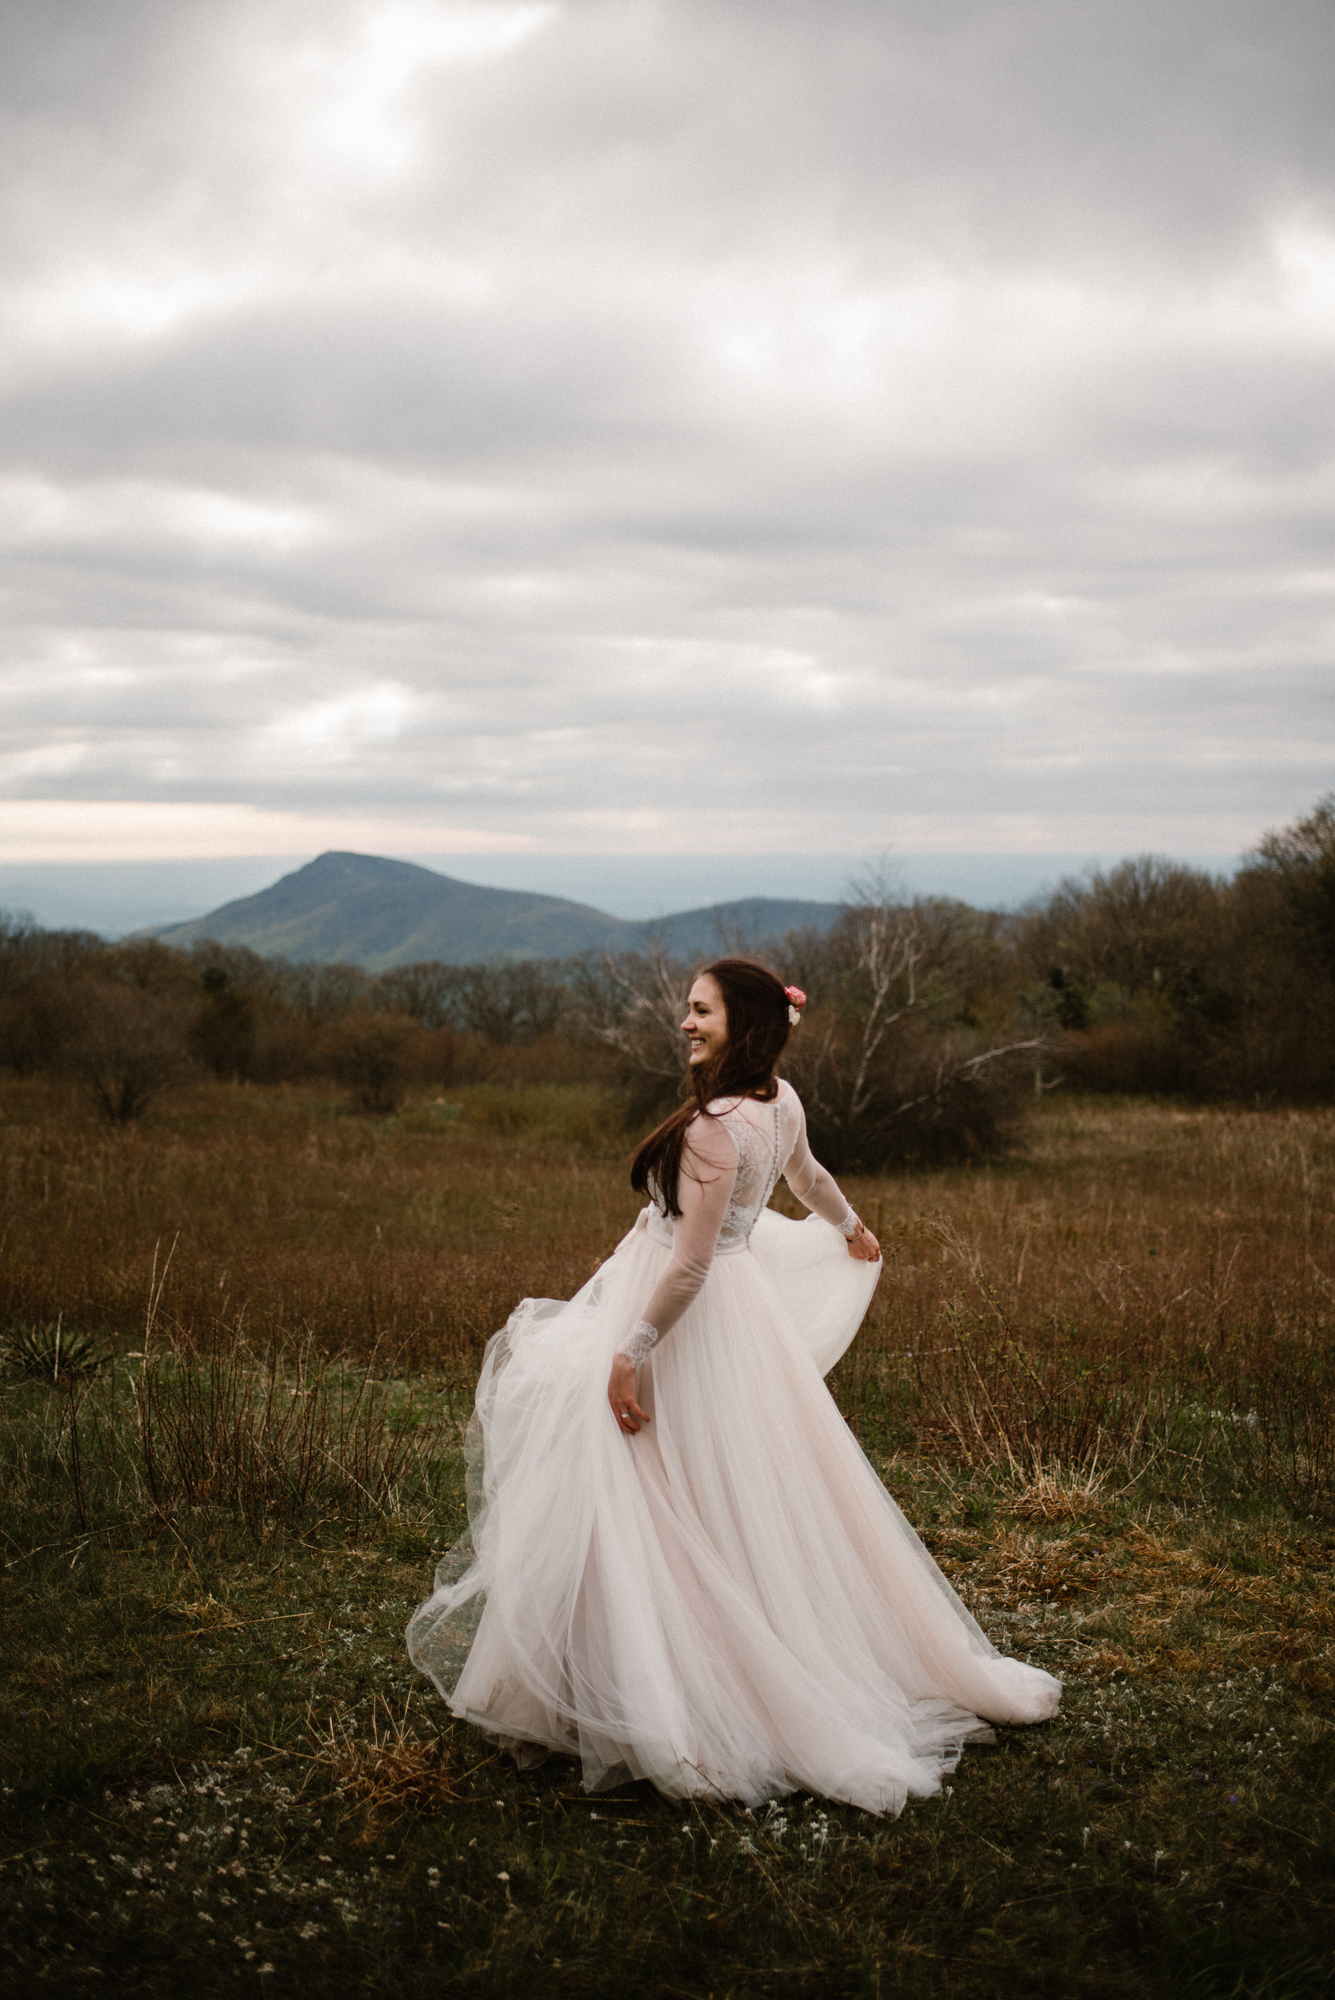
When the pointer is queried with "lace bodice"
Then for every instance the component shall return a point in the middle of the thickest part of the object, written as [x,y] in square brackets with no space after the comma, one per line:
[760,1157]
[730,1164]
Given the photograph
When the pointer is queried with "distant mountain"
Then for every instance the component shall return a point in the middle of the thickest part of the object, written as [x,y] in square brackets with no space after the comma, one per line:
[739,926]
[358,909]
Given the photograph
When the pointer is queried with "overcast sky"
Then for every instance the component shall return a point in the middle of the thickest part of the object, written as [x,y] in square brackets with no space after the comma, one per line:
[625,429]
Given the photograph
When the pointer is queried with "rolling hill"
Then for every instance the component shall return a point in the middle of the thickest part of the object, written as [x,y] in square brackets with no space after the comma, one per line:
[359,909]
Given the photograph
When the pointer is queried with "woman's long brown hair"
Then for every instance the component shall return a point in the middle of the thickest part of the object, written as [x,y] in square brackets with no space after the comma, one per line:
[756,1005]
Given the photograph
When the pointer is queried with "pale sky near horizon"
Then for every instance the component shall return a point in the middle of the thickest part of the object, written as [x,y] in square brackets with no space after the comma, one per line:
[619,430]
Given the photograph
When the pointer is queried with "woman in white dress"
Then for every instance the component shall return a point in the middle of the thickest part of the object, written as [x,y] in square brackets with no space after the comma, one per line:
[680,1566]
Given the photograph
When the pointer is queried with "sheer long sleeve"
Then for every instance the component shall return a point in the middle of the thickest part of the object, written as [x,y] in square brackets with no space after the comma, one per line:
[708,1175]
[815,1187]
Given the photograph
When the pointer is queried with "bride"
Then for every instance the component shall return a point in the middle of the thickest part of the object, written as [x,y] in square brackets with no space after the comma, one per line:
[679,1564]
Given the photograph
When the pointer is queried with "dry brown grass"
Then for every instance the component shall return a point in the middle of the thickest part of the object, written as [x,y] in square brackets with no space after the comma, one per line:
[1168,1229]
[294,1222]
[1164,1228]
[1144,1284]
[389,1769]
[1147,1284]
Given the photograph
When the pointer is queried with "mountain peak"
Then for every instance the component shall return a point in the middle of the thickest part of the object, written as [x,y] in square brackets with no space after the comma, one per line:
[343,865]
[363,909]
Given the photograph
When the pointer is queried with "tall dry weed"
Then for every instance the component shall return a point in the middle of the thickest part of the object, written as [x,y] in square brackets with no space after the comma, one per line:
[274,1439]
[277,1438]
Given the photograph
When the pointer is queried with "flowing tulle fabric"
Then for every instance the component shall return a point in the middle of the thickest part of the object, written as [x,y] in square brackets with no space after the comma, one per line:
[728,1603]
[823,1291]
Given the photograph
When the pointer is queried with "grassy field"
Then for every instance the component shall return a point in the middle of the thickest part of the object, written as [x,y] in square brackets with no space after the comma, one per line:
[1097,1376]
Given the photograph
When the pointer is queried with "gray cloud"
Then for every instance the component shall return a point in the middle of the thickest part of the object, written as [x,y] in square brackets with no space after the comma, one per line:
[838,426]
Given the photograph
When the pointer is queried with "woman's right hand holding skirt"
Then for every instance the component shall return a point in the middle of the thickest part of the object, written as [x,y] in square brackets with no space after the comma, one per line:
[622,1394]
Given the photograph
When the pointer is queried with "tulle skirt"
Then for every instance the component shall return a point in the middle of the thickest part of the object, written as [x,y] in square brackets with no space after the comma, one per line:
[729,1603]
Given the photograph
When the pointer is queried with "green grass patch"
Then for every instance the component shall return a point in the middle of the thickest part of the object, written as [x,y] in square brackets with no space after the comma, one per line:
[219,1770]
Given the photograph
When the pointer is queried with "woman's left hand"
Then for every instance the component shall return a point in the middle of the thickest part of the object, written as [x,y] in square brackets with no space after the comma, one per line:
[863,1245]
[621,1388]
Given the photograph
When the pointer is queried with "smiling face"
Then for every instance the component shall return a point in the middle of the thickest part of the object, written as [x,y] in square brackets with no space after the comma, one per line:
[706,1020]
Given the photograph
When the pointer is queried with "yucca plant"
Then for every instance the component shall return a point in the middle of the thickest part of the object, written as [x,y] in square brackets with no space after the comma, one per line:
[51,1353]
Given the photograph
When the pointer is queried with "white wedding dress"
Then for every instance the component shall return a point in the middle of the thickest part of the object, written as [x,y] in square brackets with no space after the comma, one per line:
[728,1603]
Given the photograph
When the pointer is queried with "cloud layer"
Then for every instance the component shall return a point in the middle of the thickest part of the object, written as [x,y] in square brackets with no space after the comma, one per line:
[616,427]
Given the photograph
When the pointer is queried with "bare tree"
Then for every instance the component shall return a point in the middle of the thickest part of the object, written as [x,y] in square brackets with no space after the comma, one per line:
[634,1003]
[509,1003]
[1302,858]
[127,1047]
[886,950]
[885,1063]
[889,954]
[427,991]
[40,972]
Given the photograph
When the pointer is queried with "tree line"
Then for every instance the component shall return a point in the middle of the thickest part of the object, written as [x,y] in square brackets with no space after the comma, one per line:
[929,1025]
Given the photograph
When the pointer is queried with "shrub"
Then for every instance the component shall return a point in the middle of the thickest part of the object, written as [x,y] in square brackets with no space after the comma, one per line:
[923,1099]
[371,1054]
[35,1023]
[223,1033]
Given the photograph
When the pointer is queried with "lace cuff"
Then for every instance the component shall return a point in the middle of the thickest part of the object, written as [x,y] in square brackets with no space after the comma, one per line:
[641,1339]
[850,1224]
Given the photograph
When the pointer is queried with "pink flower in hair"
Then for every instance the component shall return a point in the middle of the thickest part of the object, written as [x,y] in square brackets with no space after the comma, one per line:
[797,1000]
